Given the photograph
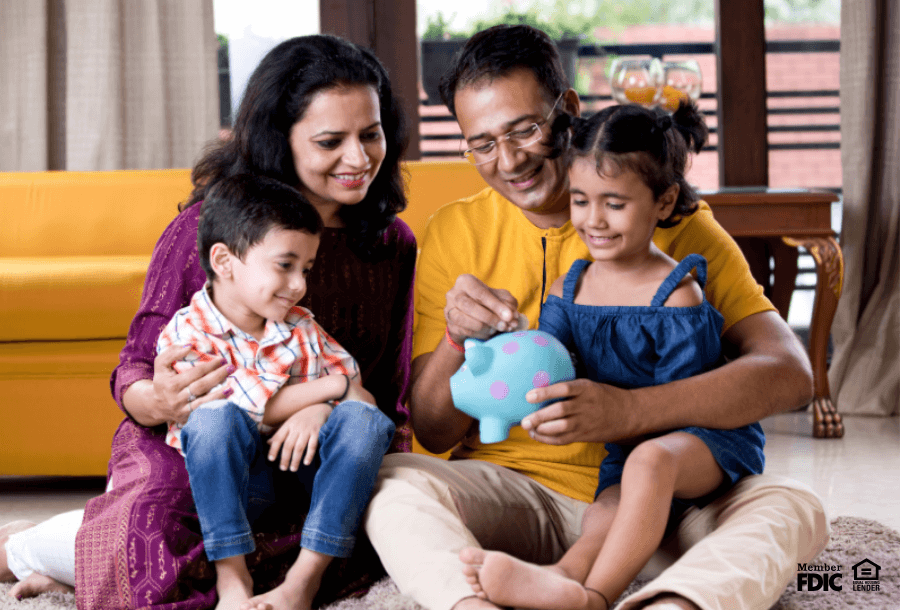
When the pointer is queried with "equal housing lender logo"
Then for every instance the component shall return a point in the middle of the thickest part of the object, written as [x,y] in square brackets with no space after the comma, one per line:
[865,576]
[827,577]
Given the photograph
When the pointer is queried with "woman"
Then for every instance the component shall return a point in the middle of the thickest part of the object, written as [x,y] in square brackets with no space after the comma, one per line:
[318,114]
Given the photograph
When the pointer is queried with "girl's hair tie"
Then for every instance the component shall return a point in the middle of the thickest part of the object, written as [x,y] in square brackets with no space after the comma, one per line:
[578,122]
[562,122]
[663,123]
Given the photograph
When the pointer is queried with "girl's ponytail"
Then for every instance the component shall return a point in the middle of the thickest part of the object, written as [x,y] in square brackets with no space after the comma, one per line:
[690,125]
[561,132]
[663,124]
[559,135]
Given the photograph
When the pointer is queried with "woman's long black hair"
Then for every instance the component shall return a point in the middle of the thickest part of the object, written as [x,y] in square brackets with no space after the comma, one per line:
[278,94]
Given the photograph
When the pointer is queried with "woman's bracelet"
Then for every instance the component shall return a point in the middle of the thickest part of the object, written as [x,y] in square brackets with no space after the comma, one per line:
[346,389]
[453,343]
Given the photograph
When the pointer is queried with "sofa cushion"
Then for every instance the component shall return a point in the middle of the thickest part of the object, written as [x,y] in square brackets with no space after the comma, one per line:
[88,213]
[72,297]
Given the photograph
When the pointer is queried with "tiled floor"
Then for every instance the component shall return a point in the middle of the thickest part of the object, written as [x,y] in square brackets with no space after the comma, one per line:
[858,475]
[41,498]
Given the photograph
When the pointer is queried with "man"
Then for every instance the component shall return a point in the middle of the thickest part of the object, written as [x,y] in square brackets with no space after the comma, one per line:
[488,259]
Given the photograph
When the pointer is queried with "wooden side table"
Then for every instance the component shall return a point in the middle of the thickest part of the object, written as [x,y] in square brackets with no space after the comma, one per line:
[799,217]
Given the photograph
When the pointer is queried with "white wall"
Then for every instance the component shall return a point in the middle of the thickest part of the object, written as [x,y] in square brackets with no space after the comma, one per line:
[254,27]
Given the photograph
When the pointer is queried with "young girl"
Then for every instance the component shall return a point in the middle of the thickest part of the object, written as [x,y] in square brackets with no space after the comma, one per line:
[634,317]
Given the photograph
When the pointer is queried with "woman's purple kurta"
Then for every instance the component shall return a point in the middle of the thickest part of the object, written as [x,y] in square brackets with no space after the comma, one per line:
[140,543]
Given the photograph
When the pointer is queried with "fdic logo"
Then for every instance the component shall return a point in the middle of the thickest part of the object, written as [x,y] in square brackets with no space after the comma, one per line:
[823,577]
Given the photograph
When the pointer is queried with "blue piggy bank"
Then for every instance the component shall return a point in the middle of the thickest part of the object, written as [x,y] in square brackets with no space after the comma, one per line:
[492,382]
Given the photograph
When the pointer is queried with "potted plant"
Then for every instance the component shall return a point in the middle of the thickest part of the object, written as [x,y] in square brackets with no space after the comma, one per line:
[438,45]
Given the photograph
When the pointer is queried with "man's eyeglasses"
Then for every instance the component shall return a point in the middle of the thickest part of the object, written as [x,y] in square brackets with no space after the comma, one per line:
[520,138]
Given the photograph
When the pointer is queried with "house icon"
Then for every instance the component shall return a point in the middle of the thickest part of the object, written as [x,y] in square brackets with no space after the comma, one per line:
[866,570]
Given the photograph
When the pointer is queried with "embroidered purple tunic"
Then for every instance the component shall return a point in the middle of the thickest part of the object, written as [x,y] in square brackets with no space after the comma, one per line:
[140,544]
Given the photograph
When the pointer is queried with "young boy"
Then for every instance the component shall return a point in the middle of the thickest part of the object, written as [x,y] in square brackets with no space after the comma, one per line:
[257,241]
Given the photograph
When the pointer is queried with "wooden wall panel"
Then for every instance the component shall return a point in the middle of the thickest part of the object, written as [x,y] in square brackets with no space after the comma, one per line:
[741,74]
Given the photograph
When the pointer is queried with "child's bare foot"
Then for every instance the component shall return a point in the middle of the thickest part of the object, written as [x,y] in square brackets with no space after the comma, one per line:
[36,584]
[280,598]
[474,603]
[233,583]
[13,527]
[299,586]
[507,581]
[234,595]
[254,603]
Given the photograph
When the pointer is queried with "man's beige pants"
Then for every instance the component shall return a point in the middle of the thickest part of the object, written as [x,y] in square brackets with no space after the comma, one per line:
[739,552]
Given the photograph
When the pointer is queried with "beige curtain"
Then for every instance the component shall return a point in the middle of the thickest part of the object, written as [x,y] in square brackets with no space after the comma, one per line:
[865,370]
[106,84]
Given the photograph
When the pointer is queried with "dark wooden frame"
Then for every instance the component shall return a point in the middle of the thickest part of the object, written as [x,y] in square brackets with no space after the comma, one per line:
[743,134]
[741,77]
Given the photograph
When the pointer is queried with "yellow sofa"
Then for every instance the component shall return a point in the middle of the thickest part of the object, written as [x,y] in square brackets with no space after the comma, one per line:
[74,248]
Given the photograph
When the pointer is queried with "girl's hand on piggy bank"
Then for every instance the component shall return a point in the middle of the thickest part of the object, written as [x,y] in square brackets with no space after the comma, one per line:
[587,412]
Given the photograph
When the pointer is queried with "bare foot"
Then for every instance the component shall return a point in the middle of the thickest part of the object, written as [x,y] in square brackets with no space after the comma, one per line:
[295,593]
[299,586]
[474,603]
[36,584]
[13,527]
[279,598]
[507,581]
[234,594]
[254,603]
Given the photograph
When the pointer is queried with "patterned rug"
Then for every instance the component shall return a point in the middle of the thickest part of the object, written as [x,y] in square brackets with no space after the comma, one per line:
[853,541]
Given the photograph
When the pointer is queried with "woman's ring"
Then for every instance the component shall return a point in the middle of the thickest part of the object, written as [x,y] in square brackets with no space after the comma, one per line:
[191,397]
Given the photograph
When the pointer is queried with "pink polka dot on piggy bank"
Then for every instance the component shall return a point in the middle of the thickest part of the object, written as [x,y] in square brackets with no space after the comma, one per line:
[499,390]
[498,374]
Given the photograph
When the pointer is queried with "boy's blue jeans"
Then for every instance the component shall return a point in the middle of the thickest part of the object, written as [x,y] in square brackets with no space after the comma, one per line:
[232,480]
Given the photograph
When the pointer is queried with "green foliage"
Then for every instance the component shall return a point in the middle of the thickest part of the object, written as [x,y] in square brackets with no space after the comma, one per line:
[581,18]
[223,41]
[561,24]
[582,82]
[803,11]
[438,28]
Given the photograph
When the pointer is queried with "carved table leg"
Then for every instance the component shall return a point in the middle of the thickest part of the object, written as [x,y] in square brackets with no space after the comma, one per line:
[829,282]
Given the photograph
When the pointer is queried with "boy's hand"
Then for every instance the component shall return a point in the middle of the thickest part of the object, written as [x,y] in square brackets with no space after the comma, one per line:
[299,434]
[357,392]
